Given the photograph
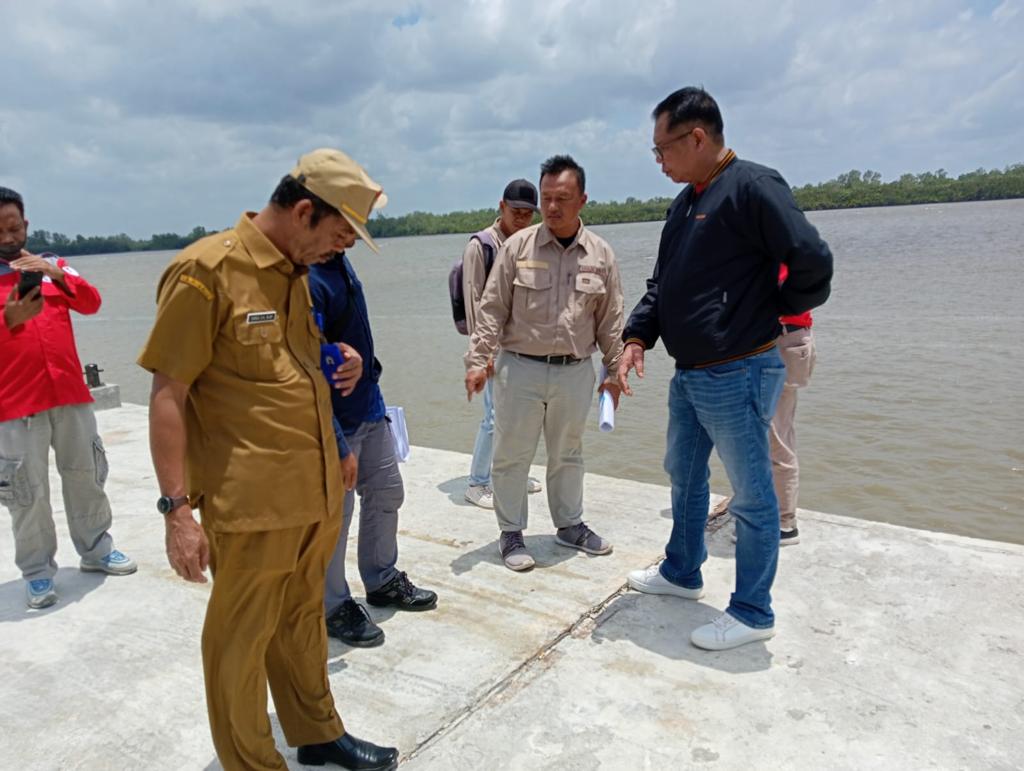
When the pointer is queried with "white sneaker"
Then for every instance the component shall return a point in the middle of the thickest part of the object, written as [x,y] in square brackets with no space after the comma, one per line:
[480,495]
[651,581]
[533,485]
[727,632]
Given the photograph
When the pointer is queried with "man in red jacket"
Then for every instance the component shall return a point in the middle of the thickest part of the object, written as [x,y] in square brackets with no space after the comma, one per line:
[44,402]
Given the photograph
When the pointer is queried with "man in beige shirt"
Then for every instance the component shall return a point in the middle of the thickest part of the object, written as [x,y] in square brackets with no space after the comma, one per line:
[241,427]
[553,298]
[516,210]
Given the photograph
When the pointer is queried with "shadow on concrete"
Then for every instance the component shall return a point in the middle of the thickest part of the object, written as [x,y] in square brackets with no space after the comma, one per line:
[542,548]
[720,544]
[662,625]
[71,583]
[455,489]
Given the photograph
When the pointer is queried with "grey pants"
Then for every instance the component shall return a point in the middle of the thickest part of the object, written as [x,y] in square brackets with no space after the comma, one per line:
[530,397]
[381,493]
[25,486]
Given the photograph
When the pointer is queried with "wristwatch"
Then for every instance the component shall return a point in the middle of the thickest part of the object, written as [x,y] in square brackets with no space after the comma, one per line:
[165,504]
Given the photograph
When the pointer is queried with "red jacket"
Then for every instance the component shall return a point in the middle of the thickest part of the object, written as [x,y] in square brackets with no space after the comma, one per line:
[39,366]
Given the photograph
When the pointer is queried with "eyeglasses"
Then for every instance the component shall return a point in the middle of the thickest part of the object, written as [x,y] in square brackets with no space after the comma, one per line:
[659,150]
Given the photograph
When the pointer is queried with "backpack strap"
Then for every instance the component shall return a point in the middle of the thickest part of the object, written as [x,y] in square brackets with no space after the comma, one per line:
[490,248]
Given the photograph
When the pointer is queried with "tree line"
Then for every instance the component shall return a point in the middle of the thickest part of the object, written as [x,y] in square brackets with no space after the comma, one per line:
[850,190]
[45,241]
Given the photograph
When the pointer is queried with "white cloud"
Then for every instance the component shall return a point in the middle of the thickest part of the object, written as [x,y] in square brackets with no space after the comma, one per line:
[145,117]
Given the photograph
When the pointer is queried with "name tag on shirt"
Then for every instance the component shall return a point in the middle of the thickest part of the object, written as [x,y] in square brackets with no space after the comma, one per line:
[261,317]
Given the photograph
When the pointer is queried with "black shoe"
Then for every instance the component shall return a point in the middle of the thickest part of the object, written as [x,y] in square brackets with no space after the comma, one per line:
[400,593]
[351,624]
[789,537]
[350,752]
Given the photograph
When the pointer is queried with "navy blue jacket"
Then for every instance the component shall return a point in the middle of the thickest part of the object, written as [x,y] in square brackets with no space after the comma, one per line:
[342,305]
[715,290]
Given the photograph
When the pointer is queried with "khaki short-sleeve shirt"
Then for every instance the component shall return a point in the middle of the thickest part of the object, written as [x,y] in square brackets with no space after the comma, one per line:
[544,299]
[234,321]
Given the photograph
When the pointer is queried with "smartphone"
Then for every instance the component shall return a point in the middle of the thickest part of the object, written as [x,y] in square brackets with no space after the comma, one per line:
[29,280]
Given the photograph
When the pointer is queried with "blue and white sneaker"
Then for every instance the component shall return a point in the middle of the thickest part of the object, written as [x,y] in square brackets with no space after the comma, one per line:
[115,564]
[41,593]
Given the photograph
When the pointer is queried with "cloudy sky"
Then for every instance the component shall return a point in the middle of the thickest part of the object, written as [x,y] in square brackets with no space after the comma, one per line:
[141,116]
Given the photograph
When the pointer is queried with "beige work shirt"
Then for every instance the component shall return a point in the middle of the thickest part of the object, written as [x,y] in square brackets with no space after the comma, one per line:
[474,274]
[234,321]
[545,299]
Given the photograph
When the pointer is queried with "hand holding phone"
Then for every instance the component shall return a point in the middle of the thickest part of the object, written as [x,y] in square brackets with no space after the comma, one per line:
[29,280]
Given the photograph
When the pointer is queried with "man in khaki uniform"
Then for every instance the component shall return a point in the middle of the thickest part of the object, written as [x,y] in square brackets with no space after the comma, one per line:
[553,298]
[241,426]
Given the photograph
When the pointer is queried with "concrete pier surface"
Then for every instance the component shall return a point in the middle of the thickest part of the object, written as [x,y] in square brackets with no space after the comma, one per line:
[895,648]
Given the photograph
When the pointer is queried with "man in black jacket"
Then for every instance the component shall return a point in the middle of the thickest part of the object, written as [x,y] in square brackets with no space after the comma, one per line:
[715,300]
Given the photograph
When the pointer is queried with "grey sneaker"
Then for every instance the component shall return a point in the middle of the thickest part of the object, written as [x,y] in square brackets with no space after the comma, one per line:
[114,564]
[41,593]
[480,495]
[533,485]
[513,551]
[583,538]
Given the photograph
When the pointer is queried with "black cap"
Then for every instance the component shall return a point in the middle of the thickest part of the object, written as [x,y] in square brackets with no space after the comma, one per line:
[520,194]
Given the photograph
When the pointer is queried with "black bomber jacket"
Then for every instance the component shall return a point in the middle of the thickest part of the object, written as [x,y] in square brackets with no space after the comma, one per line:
[715,290]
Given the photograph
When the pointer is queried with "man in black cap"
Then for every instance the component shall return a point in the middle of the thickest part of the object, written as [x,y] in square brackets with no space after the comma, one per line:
[516,209]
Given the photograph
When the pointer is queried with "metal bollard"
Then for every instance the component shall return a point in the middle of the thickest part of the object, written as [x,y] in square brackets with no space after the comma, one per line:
[92,375]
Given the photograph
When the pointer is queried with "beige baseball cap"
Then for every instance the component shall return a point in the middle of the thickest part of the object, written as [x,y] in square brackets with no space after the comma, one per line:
[342,183]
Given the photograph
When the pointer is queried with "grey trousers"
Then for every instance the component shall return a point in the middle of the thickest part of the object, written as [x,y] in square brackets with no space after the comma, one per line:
[531,397]
[381,493]
[25,486]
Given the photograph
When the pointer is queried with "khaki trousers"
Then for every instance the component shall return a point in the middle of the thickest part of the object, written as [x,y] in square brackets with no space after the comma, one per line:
[531,397]
[265,624]
[797,349]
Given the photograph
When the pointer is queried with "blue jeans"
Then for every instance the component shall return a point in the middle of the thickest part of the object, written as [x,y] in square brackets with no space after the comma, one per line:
[730,407]
[483,450]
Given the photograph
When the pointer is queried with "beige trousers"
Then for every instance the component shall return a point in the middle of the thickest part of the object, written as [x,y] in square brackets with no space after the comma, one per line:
[531,397]
[797,349]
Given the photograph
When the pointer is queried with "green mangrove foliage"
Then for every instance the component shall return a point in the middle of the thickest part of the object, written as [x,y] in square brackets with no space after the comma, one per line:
[850,190]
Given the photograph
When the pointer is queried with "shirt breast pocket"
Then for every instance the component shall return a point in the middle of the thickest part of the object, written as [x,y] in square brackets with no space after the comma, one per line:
[259,350]
[532,298]
[590,284]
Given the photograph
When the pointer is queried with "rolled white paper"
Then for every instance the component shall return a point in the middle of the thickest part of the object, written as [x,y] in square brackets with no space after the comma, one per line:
[605,407]
[606,412]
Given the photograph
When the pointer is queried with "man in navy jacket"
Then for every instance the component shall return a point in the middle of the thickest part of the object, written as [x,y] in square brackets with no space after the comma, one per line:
[715,300]
[338,298]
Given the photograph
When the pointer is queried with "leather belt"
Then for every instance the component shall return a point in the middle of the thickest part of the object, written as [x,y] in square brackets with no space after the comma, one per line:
[564,359]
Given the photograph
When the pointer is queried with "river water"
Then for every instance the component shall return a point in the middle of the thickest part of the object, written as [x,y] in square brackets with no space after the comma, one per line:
[914,415]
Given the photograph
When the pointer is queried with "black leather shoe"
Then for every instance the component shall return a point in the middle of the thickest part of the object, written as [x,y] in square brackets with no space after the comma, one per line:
[349,752]
[351,624]
[400,593]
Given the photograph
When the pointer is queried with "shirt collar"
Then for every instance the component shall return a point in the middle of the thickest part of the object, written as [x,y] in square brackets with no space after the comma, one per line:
[260,248]
[545,236]
[498,232]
